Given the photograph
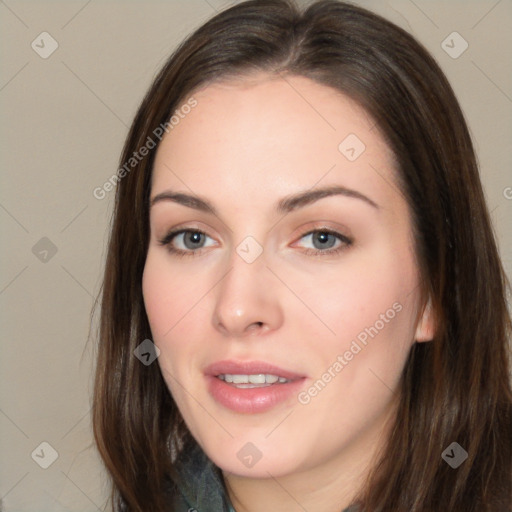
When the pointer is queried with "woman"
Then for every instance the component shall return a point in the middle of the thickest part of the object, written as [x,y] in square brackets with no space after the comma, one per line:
[298,312]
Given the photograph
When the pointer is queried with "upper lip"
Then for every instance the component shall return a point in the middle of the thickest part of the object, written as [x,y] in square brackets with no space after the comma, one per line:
[249,368]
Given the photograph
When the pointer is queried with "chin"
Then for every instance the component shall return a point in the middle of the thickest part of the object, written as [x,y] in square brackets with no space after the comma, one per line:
[253,459]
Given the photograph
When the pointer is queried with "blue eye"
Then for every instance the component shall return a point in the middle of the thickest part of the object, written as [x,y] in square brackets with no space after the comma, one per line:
[192,241]
[324,242]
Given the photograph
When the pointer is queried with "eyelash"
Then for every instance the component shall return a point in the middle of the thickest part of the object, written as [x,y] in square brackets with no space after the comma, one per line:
[346,242]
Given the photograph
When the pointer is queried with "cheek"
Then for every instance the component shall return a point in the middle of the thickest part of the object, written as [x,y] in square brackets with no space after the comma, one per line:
[371,309]
[168,295]
[361,293]
[369,306]
[169,303]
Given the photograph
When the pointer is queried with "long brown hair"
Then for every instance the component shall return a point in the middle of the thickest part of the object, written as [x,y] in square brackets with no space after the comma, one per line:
[453,389]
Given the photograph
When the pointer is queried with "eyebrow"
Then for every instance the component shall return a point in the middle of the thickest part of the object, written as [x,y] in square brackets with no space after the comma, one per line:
[284,205]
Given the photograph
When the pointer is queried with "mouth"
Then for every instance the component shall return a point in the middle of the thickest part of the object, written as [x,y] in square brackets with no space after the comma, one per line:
[251,386]
[259,380]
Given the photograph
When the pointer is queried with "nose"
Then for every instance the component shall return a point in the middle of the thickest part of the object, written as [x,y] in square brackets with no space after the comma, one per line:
[247,300]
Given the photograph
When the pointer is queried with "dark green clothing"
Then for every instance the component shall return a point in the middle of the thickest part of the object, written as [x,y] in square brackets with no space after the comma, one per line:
[201,486]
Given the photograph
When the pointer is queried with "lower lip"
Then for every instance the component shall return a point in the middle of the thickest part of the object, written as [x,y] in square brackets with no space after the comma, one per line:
[252,400]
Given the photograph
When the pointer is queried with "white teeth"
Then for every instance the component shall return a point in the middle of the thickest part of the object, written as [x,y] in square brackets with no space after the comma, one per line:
[259,378]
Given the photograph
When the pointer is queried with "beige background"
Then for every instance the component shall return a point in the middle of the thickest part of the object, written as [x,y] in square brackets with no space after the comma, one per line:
[64,121]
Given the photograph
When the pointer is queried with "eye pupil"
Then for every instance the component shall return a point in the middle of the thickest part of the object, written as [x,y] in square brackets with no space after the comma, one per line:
[323,237]
[195,238]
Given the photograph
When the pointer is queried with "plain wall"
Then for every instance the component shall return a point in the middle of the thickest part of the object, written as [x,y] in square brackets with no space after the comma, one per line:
[64,122]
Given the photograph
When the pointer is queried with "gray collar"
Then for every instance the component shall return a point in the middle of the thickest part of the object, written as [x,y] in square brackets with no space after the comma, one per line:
[200,483]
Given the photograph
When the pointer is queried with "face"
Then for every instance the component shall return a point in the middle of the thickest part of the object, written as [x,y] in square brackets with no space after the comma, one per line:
[261,277]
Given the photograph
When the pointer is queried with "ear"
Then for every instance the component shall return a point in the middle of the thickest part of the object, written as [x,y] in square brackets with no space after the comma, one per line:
[426,327]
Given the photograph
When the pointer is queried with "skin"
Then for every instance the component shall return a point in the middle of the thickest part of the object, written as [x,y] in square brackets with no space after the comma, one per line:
[247,144]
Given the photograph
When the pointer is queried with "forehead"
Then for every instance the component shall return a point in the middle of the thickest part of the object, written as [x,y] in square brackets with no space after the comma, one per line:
[271,134]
